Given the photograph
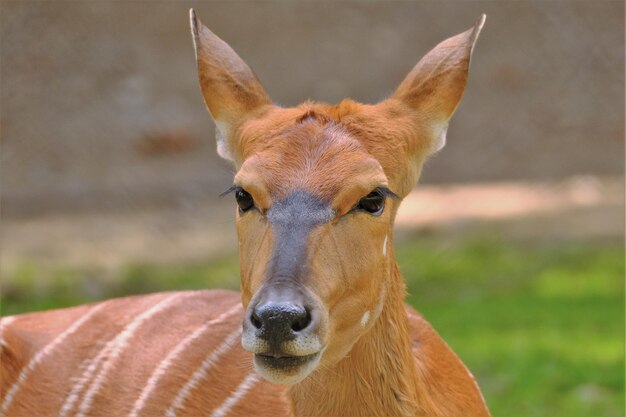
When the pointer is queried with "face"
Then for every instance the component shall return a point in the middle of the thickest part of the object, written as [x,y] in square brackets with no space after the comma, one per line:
[317,190]
[312,234]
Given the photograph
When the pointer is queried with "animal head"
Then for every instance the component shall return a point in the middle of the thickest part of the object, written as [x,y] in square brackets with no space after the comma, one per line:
[317,188]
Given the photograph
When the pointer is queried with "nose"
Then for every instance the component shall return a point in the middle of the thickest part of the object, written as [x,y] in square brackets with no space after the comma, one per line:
[280,321]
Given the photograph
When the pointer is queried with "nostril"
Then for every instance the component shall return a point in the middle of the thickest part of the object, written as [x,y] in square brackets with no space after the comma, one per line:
[279,320]
[256,322]
[302,321]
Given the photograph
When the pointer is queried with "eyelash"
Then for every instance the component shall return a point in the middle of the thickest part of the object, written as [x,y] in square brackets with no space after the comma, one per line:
[374,202]
[246,202]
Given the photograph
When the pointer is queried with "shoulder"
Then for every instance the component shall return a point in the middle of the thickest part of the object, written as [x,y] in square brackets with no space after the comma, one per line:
[444,376]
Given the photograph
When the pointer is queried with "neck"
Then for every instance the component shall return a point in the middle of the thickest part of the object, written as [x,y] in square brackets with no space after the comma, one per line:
[377,378]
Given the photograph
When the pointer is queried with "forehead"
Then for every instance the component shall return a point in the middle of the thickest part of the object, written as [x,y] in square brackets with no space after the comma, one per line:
[314,154]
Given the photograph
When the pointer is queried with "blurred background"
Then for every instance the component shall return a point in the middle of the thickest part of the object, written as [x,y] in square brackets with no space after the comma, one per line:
[512,245]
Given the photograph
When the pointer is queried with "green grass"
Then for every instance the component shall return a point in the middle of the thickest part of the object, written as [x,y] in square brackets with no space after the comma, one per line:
[541,326]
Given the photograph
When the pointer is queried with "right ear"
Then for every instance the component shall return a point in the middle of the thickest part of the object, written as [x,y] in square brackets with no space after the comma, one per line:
[434,87]
[231,90]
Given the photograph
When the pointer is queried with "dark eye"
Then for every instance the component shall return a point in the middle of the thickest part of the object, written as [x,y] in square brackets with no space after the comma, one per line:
[373,203]
[244,200]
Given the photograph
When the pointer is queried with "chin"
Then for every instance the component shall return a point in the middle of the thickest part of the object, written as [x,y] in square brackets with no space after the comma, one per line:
[288,370]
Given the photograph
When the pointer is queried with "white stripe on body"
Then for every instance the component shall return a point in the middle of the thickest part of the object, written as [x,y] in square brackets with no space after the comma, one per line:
[161,370]
[243,388]
[119,344]
[201,372]
[89,367]
[42,354]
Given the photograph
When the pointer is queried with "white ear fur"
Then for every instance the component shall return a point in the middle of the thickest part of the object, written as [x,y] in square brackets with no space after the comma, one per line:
[221,135]
[440,139]
[193,24]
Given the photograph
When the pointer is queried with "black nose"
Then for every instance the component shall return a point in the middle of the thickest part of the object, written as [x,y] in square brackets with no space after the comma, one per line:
[278,321]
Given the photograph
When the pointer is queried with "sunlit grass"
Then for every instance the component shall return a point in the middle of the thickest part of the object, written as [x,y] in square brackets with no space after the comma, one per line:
[541,326]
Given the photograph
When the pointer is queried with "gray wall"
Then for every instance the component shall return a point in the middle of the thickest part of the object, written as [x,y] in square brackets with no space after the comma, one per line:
[86,87]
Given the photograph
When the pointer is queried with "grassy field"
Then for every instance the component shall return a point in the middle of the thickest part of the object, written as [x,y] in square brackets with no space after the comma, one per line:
[541,326]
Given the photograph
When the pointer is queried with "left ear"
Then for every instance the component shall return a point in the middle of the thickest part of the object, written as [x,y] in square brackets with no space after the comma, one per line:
[434,87]
[231,90]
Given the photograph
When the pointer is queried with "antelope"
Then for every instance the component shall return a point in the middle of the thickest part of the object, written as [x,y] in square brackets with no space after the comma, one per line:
[320,327]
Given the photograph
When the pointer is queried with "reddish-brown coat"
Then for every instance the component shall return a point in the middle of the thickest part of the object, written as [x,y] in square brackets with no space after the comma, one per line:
[446,388]
[386,362]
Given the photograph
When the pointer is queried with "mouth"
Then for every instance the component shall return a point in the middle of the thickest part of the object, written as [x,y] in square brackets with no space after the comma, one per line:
[285,369]
[283,362]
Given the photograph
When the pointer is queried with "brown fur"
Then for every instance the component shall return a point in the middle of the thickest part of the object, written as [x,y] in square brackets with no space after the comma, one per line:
[47,387]
[393,364]
[358,385]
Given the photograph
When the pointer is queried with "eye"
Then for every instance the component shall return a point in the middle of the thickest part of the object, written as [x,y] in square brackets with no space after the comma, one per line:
[244,200]
[373,203]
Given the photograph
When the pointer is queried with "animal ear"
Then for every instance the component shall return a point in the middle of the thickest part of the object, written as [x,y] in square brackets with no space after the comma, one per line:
[231,90]
[434,87]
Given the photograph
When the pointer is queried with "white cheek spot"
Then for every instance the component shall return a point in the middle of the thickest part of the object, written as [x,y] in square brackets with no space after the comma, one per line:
[385,246]
[365,318]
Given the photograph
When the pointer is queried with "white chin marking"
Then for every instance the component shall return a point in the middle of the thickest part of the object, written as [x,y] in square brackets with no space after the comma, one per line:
[385,246]
[288,377]
[365,319]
